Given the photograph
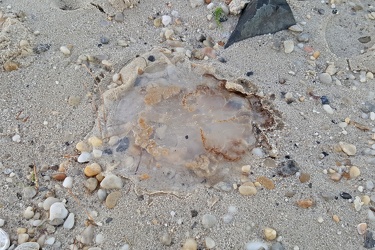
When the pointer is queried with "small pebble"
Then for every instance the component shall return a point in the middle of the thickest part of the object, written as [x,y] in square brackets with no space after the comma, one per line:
[325,78]
[112,199]
[247,190]
[69,222]
[166,20]
[354,172]
[361,228]
[99,239]
[256,246]
[288,168]
[58,211]
[95,141]
[277,246]
[209,220]
[28,246]
[102,194]
[288,46]
[104,40]
[366,199]
[29,192]
[87,236]
[348,148]
[111,181]
[304,177]
[369,185]
[10,66]
[68,182]
[209,242]
[48,202]
[91,184]
[190,244]
[16,138]
[28,213]
[296,28]
[166,239]
[4,240]
[65,50]
[82,146]
[22,238]
[371,215]
[303,37]
[335,218]
[84,157]
[266,182]
[119,17]
[305,203]
[92,170]
[320,219]
[270,233]
[345,196]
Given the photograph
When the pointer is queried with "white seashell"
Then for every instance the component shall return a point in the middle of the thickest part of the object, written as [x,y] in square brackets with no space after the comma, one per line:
[4,240]
[28,246]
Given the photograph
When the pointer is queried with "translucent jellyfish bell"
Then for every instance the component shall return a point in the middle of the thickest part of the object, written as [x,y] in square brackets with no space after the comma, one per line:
[172,124]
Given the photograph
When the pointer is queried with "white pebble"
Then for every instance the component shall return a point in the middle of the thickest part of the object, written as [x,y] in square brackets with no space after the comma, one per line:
[97,153]
[48,202]
[58,211]
[84,157]
[372,116]
[99,239]
[16,138]
[370,215]
[116,77]
[65,50]
[256,246]
[4,240]
[166,20]
[320,219]
[210,243]
[68,182]
[125,247]
[362,76]
[50,241]
[360,188]
[2,222]
[232,209]
[69,222]
[369,185]
[370,75]
[258,152]
[328,109]
[288,46]
[111,181]
[28,213]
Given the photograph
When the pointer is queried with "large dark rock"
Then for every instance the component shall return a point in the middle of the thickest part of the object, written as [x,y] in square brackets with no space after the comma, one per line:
[261,17]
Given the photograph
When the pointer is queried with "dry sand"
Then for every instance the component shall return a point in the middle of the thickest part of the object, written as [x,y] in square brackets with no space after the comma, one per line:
[34,104]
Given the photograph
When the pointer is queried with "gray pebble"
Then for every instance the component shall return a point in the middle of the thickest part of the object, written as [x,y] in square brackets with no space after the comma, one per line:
[166,239]
[104,40]
[56,222]
[29,192]
[303,37]
[209,220]
[288,168]
[369,185]
[91,184]
[277,246]
[28,246]
[325,78]
[102,194]
[48,202]
[111,181]
[119,17]
[88,235]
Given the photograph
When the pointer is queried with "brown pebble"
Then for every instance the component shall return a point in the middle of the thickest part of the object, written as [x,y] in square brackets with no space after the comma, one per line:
[267,183]
[112,199]
[335,218]
[99,176]
[336,177]
[361,228]
[316,54]
[207,1]
[305,203]
[10,66]
[92,170]
[59,176]
[304,177]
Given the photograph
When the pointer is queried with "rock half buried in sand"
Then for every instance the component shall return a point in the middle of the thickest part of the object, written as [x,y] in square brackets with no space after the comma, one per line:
[173,124]
[262,17]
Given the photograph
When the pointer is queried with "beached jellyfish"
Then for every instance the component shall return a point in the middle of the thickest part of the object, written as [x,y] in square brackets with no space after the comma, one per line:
[172,124]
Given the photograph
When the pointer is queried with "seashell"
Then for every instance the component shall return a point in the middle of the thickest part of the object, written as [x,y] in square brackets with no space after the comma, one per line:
[28,246]
[4,240]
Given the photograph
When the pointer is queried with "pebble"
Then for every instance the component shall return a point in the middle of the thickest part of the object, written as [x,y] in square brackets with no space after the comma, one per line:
[69,222]
[104,40]
[270,233]
[288,168]
[304,177]
[4,240]
[320,219]
[256,246]
[28,246]
[366,199]
[68,182]
[266,182]
[99,239]
[296,28]
[48,202]
[50,241]
[82,146]
[22,238]
[305,203]
[288,46]
[369,241]
[16,138]
[345,196]
[91,184]
[208,220]
[246,169]
[10,66]
[166,239]
[111,181]
[190,244]
[2,222]
[371,215]
[95,141]
[369,185]
[335,218]
[357,203]
[361,228]
[74,100]
[331,69]
[348,148]
[228,218]
[58,211]
[354,172]
[29,192]
[102,194]
[92,170]
[362,76]
[28,213]
[65,50]
[336,177]
[277,246]
[84,157]
[119,17]
[168,34]
[166,20]
[247,190]
[325,78]
[258,152]
[157,22]
[209,242]
[125,247]
[112,199]
[87,235]
[303,37]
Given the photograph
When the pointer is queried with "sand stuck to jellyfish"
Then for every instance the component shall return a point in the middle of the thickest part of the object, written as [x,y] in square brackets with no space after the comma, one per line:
[172,124]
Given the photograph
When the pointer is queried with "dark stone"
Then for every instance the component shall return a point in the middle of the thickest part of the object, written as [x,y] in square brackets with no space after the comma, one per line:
[42,47]
[222,60]
[335,11]
[151,58]
[107,151]
[249,73]
[364,39]
[345,195]
[277,246]
[123,144]
[324,99]
[261,17]
[287,168]
[194,213]
[104,40]
[321,11]
[369,241]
